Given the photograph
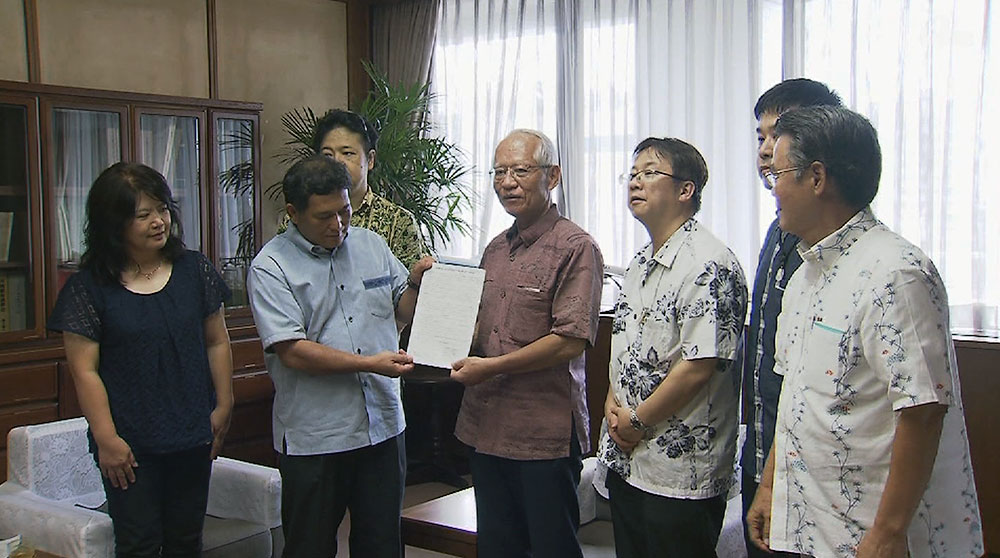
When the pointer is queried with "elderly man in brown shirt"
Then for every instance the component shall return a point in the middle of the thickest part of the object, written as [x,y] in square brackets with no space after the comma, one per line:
[525,406]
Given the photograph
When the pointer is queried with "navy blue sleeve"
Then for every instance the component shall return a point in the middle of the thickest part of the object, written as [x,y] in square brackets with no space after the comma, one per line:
[214,289]
[77,309]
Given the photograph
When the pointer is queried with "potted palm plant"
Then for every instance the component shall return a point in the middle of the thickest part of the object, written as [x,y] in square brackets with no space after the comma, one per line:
[421,173]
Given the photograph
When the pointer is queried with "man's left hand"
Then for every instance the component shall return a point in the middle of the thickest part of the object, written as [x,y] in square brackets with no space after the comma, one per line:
[472,370]
[624,435]
[880,544]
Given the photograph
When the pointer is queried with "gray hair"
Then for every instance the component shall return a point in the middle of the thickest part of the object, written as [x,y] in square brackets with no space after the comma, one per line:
[545,153]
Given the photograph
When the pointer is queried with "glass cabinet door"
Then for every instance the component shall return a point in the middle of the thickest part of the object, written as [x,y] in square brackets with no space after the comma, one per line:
[171,144]
[234,214]
[84,143]
[18,161]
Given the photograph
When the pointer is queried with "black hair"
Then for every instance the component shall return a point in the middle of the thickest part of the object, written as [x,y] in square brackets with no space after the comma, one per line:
[111,207]
[685,161]
[317,175]
[353,121]
[795,92]
[843,140]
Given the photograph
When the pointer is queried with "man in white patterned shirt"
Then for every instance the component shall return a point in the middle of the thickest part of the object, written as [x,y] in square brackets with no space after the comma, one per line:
[870,457]
[669,436]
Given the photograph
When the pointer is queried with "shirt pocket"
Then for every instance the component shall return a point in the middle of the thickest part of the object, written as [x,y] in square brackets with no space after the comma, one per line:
[828,352]
[529,313]
[378,295]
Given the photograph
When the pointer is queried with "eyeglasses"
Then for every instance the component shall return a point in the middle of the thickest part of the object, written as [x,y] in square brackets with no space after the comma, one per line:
[646,175]
[519,172]
[771,177]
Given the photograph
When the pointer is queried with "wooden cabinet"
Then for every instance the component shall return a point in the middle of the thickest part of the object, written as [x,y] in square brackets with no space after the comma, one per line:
[54,141]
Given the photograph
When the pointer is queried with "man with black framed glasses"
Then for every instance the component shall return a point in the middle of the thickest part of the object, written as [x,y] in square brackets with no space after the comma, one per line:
[524,410]
[668,440]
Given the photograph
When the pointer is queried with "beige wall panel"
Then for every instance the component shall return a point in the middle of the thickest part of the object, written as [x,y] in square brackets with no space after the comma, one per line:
[285,54]
[150,46]
[13,48]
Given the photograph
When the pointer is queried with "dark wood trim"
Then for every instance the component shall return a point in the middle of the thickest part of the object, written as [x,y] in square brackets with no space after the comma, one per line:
[213,50]
[50,349]
[972,342]
[33,265]
[359,48]
[31,41]
[146,99]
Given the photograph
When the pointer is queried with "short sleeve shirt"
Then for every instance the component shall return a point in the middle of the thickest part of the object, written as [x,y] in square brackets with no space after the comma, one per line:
[153,360]
[395,224]
[685,302]
[544,279]
[863,334]
[344,299]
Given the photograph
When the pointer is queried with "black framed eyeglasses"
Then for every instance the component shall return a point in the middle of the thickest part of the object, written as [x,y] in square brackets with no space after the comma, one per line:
[519,172]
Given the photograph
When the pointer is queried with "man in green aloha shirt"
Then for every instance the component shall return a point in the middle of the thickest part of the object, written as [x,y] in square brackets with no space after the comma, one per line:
[350,139]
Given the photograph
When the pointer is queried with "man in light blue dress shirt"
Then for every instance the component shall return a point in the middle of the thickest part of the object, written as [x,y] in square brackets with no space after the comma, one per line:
[326,301]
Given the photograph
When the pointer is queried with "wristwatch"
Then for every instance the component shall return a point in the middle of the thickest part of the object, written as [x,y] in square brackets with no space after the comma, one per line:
[633,419]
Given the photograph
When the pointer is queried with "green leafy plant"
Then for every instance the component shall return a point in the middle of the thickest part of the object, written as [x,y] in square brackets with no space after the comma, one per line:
[421,173]
[237,181]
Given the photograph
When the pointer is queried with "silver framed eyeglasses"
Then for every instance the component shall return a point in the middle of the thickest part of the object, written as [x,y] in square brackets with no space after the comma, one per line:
[519,172]
[644,176]
[771,177]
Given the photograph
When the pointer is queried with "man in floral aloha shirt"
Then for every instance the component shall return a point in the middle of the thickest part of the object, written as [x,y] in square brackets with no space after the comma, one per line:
[668,441]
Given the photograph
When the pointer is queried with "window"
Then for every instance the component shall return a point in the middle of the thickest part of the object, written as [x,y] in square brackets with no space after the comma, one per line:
[600,77]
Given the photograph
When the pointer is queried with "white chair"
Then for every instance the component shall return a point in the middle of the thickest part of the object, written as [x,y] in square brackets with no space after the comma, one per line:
[53,484]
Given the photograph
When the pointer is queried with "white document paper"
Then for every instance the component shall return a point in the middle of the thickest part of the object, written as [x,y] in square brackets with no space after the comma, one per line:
[445,317]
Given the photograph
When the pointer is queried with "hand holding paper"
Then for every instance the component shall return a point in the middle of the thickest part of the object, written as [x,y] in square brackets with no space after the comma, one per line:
[446,312]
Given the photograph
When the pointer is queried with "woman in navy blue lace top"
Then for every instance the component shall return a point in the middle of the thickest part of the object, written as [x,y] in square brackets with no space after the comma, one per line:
[149,354]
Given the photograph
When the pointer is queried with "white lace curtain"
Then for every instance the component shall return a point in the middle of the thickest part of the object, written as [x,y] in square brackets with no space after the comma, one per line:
[599,76]
[925,73]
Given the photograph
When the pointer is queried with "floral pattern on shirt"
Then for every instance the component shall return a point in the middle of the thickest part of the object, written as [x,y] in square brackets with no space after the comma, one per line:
[687,301]
[395,224]
[864,333]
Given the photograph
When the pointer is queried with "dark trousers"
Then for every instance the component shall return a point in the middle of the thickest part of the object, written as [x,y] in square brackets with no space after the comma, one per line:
[316,490]
[163,512]
[527,508]
[650,525]
[749,490]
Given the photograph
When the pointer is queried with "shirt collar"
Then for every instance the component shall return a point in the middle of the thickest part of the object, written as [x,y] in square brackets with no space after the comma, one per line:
[667,253]
[366,201]
[535,231]
[826,252]
[302,243]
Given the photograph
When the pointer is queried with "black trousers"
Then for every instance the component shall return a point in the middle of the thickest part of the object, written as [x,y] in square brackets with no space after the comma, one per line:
[316,490]
[527,508]
[749,490]
[650,525]
[163,512]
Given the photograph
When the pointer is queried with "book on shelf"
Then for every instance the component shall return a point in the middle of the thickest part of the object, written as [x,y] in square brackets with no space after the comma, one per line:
[17,284]
[6,229]
[13,302]
[4,303]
